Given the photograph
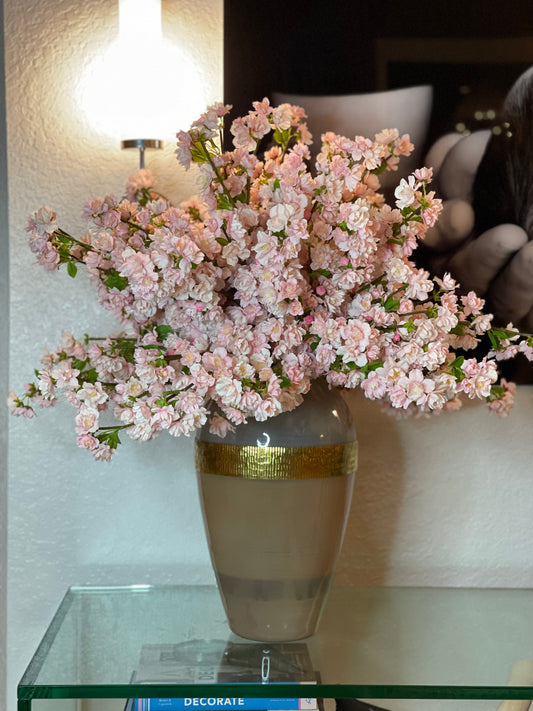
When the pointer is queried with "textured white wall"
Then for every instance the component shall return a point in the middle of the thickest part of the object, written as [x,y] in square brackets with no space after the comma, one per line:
[4,359]
[71,521]
[441,502]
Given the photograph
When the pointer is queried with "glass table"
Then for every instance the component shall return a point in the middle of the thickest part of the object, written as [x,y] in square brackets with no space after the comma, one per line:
[380,643]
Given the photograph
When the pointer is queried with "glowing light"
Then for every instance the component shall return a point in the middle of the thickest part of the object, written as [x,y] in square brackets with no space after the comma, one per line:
[139,20]
[142,86]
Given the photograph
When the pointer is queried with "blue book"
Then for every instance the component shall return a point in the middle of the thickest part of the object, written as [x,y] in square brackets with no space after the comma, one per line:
[224,704]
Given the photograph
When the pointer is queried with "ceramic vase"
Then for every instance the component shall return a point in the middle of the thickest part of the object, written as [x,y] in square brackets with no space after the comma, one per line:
[275,497]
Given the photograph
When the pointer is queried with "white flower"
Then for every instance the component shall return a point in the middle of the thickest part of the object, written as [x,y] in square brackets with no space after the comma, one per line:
[229,391]
[280,216]
[405,192]
[92,395]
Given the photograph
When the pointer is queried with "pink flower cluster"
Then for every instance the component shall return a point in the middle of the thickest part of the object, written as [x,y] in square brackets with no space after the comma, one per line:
[234,302]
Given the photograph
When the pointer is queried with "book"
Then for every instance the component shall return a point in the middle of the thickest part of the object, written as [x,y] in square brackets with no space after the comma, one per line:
[323,705]
[225,703]
[221,662]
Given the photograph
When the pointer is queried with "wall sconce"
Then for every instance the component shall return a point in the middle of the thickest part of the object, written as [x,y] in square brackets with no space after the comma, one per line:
[141,85]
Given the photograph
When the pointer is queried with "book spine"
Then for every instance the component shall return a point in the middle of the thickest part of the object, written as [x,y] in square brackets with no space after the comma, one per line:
[225,704]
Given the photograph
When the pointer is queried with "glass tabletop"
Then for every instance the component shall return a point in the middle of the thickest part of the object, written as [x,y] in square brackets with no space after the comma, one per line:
[382,643]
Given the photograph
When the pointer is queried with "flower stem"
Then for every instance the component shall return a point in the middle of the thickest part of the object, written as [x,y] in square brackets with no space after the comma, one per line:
[216,172]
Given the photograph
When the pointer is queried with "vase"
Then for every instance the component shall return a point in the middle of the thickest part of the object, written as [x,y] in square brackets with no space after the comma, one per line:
[275,499]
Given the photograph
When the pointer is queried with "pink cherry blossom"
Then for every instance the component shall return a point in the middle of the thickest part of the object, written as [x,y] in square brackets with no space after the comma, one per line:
[472,303]
[86,420]
[87,441]
[276,275]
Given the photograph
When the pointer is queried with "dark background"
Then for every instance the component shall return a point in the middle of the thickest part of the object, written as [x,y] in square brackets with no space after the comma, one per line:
[334,47]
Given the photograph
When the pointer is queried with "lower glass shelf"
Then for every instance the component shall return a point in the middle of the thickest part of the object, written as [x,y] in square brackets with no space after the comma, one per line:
[382,643]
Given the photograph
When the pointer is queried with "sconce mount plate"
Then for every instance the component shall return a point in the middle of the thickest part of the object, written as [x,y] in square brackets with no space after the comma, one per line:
[142,144]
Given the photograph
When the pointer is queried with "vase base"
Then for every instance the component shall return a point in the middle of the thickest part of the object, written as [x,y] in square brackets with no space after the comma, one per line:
[269,617]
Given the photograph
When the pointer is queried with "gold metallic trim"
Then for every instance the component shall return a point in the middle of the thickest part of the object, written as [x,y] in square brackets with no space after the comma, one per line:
[252,462]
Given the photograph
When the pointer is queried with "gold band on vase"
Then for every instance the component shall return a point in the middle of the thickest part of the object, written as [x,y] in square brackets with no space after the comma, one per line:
[252,462]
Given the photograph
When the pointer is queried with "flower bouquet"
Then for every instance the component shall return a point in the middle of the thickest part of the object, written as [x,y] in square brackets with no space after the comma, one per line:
[233,303]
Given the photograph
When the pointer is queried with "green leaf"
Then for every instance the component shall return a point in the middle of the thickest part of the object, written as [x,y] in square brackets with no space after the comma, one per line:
[126,349]
[163,331]
[380,169]
[337,364]
[455,368]
[503,332]
[224,202]
[458,362]
[72,269]
[496,392]
[115,281]
[277,184]
[282,137]
[391,304]
[242,197]
[493,340]
[322,272]
[143,196]
[194,212]
[109,437]
[199,153]
[369,367]
[89,376]
[222,241]
[410,325]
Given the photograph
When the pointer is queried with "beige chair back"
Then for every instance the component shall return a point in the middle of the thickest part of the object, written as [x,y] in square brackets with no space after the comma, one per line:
[408,110]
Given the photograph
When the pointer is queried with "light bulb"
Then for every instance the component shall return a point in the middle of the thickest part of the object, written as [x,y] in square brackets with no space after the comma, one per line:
[141,86]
